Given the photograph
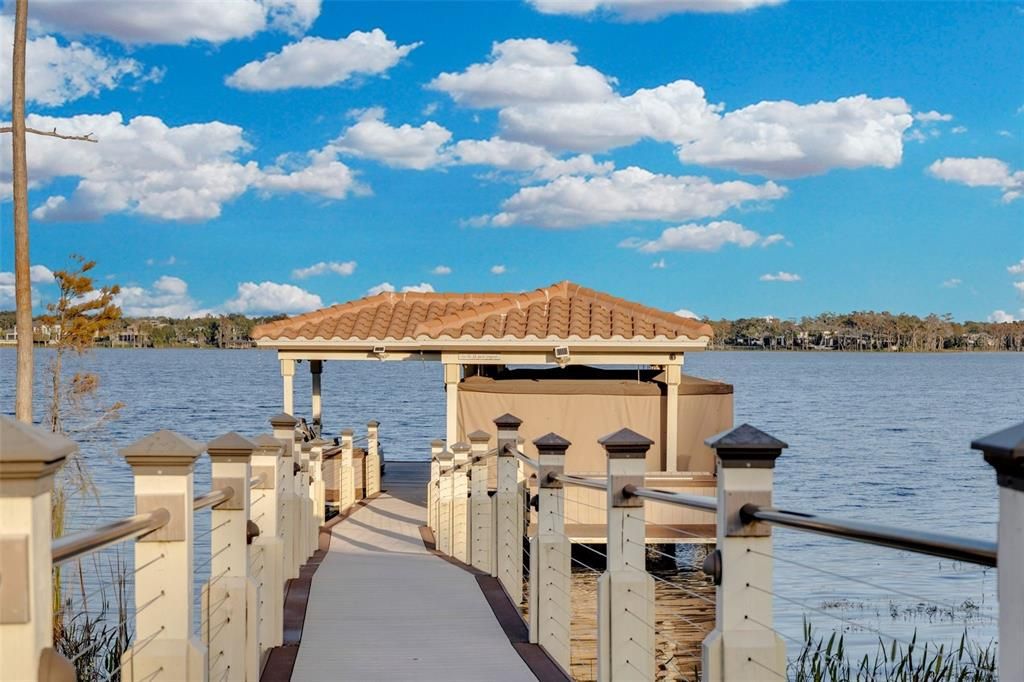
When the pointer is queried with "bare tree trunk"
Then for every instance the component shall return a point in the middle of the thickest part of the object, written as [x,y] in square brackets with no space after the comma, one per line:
[22,277]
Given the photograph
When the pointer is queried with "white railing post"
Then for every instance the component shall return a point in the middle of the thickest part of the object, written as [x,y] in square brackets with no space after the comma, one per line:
[284,431]
[29,458]
[509,513]
[1004,450]
[229,626]
[445,461]
[436,448]
[304,490]
[743,644]
[550,569]
[372,462]
[346,474]
[481,537]
[266,512]
[162,465]
[318,491]
[625,591]
[460,502]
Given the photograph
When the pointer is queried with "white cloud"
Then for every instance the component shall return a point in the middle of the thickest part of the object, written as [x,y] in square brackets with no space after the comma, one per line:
[441,270]
[931,116]
[383,287]
[692,237]
[175,21]
[318,62]
[407,146]
[659,264]
[525,70]
[388,287]
[38,274]
[344,269]
[1001,316]
[170,260]
[1016,268]
[1019,286]
[647,10]
[498,269]
[980,172]
[780,277]
[683,312]
[546,98]
[271,297]
[958,130]
[167,297]
[422,288]
[1004,133]
[952,283]
[148,168]
[57,72]
[629,194]
[520,156]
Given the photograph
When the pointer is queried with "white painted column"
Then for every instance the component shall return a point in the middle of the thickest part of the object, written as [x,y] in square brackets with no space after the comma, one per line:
[372,461]
[452,374]
[316,370]
[625,591]
[318,488]
[303,490]
[29,458]
[481,505]
[1004,450]
[446,462]
[230,629]
[284,431]
[743,644]
[550,552]
[460,502]
[162,465]
[673,377]
[509,551]
[436,448]
[288,386]
[346,472]
[267,511]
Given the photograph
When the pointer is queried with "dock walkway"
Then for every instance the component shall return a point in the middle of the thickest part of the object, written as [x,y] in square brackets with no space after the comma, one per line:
[383,607]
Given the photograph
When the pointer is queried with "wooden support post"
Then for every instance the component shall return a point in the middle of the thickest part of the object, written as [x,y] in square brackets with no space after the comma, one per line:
[743,645]
[436,448]
[162,465]
[625,591]
[29,458]
[267,513]
[346,474]
[481,504]
[284,431]
[230,623]
[288,386]
[1004,450]
[550,552]
[445,462]
[372,462]
[673,377]
[316,370]
[509,514]
[452,375]
[460,502]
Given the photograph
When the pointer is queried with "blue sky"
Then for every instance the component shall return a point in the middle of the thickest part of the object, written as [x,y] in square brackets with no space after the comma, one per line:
[726,157]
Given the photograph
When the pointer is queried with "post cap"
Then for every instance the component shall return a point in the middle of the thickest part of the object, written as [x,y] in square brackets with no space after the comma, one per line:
[265,441]
[1004,450]
[283,421]
[445,456]
[551,444]
[479,436]
[626,444]
[373,423]
[347,433]
[162,449]
[508,421]
[460,447]
[437,443]
[30,452]
[318,442]
[746,446]
[231,447]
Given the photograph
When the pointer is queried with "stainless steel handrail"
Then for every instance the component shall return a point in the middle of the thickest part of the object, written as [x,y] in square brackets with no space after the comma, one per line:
[594,483]
[255,480]
[213,497]
[701,502]
[74,545]
[921,542]
[525,459]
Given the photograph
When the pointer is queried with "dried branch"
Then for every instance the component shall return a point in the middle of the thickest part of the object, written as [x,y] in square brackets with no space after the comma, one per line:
[53,133]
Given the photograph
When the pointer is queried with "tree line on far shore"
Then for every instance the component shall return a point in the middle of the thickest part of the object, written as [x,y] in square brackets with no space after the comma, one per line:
[856,331]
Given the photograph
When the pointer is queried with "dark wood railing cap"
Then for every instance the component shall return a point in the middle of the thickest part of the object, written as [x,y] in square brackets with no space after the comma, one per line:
[626,444]
[163,449]
[1004,450]
[30,452]
[746,446]
[551,444]
[231,446]
[508,421]
[283,421]
[479,437]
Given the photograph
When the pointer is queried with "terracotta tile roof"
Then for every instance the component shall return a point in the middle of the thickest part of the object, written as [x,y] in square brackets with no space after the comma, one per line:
[562,311]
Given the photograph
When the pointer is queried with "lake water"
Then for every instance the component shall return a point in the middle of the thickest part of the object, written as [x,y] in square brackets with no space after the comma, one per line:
[873,437]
